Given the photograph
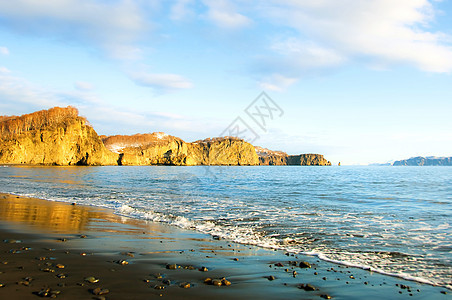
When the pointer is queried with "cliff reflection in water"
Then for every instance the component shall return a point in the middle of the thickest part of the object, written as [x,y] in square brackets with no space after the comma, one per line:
[61,217]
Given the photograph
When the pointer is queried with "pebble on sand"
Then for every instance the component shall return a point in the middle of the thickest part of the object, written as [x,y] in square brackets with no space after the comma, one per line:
[216,282]
[99,291]
[304,264]
[172,266]
[48,270]
[271,277]
[91,279]
[48,293]
[307,287]
[225,282]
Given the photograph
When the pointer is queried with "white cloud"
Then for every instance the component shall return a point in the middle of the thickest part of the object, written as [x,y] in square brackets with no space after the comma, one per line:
[125,52]
[277,82]
[181,9]
[110,25]
[307,54]
[223,14]
[385,31]
[19,96]
[83,86]
[15,91]
[4,50]
[4,70]
[292,59]
[161,81]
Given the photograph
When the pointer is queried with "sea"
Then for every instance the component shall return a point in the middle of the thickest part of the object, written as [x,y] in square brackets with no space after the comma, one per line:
[392,220]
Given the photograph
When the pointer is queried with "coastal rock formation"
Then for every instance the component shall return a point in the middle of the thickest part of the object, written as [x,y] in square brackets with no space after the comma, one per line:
[223,151]
[147,149]
[58,136]
[308,160]
[161,149]
[271,158]
[425,161]
[278,158]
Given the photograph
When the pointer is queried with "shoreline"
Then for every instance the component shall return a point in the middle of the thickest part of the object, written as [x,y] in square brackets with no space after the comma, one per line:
[148,248]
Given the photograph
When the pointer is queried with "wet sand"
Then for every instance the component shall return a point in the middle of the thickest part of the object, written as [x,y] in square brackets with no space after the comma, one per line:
[55,249]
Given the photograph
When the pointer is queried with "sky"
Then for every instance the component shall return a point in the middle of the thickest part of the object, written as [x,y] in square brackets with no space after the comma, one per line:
[359,81]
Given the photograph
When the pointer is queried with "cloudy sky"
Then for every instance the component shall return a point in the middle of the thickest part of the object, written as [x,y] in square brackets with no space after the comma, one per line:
[358,81]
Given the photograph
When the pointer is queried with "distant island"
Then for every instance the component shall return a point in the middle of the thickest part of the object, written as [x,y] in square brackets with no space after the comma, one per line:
[424,161]
[59,136]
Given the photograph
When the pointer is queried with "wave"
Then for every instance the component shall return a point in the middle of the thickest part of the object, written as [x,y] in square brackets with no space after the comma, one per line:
[248,236]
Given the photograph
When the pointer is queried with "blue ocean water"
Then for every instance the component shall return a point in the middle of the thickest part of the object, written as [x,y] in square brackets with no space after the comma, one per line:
[394,220]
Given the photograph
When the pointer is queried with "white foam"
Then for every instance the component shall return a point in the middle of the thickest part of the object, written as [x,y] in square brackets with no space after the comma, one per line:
[248,236]
[324,257]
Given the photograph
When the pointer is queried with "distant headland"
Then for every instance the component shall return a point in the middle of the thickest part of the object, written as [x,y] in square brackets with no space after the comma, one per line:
[419,161]
[59,136]
[424,161]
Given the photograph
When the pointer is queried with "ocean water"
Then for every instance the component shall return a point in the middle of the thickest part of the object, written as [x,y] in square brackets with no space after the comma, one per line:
[393,220]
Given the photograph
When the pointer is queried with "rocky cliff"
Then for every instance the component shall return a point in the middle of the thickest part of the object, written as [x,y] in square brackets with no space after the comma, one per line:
[57,136]
[224,151]
[271,158]
[309,159]
[425,161]
[278,158]
[162,149]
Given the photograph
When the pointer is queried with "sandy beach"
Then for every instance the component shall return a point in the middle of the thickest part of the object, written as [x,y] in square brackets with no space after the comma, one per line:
[54,249]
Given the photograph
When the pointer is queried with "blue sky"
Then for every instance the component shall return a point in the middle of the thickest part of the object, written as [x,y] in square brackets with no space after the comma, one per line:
[358,81]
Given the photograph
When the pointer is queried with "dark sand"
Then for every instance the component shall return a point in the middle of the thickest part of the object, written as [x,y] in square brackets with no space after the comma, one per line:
[38,236]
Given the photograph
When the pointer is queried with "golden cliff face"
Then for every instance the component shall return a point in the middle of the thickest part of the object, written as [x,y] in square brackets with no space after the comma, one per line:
[57,136]
[223,151]
[161,149]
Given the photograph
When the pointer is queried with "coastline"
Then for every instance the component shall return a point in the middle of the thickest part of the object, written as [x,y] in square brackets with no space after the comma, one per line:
[37,235]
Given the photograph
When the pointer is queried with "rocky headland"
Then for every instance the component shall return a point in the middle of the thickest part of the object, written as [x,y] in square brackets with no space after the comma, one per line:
[424,161]
[159,148]
[278,158]
[59,136]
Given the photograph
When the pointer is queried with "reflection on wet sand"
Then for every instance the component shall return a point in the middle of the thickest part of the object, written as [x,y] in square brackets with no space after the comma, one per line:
[61,217]
[66,218]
